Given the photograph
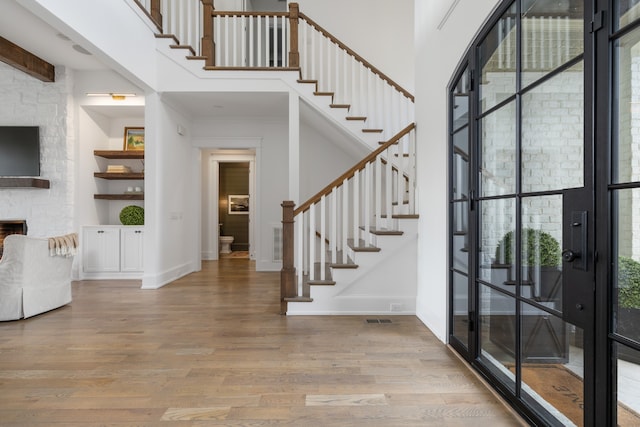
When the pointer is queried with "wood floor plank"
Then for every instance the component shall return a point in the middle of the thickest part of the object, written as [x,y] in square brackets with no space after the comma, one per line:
[212,350]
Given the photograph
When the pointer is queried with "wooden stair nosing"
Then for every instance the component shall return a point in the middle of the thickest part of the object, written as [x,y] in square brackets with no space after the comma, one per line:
[321,282]
[183,46]
[344,266]
[323,93]
[362,246]
[402,216]
[298,299]
[347,106]
[383,231]
[168,36]
[196,57]
[361,118]
[372,130]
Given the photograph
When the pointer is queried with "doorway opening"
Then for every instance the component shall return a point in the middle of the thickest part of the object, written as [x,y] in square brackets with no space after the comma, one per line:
[229,207]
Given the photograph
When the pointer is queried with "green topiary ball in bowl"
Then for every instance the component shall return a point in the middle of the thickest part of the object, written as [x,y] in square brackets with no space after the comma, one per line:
[132,215]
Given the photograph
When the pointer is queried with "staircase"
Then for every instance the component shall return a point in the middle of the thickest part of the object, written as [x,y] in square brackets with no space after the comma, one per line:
[350,249]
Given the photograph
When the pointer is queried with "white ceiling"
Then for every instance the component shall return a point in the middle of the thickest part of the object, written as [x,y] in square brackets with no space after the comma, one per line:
[31,33]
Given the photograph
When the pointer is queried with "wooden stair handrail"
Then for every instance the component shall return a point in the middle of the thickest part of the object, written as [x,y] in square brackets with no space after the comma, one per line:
[255,14]
[359,58]
[351,172]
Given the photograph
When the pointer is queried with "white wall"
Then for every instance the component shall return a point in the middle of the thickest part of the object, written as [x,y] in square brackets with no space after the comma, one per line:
[380,31]
[443,46]
[271,174]
[172,194]
[321,161]
[26,101]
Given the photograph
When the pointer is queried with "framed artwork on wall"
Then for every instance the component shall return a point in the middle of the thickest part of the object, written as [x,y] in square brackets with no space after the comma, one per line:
[133,139]
[238,204]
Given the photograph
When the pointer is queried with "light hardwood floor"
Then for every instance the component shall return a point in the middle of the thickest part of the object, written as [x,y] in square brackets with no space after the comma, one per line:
[212,350]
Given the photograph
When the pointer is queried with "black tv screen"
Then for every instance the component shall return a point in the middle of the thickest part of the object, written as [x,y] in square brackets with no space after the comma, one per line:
[19,151]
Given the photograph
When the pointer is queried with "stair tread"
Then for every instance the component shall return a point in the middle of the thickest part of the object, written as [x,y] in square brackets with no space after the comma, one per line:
[363,118]
[372,130]
[321,282]
[340,106]
[183,46]
[192,57]
[344,266]
[402,216]
[323,93]
[307,81]
[298,299]
[383,231]
[362,246]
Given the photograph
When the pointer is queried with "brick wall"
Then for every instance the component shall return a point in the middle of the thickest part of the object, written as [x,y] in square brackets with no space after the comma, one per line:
[27,101]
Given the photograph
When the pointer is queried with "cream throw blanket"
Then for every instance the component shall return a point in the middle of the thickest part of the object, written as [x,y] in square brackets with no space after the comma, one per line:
[66,246]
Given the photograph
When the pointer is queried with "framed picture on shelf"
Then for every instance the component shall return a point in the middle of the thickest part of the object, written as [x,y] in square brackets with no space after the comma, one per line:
[133,139]
[238,204]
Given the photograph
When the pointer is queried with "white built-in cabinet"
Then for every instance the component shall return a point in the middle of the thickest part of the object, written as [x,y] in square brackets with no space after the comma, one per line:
[112,252]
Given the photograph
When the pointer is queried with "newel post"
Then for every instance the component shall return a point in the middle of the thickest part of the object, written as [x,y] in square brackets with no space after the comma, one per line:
[288,272]
[207,46]
[294,55]
[156,15]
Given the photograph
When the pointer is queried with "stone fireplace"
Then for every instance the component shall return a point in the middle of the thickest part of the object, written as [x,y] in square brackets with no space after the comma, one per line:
[11,226]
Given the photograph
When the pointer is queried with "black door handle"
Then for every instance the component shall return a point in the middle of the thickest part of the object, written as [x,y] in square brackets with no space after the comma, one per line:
[569,256]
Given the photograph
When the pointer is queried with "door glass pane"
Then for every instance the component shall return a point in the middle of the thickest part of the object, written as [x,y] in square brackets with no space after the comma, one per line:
[497,59]
[552,35]
[627,279]
[627,108]
[628,385]
[552,365]
[461,164]
[625,12]
[553,133]
[460,325]
[541,242]
[498,334]
[498,152]
[460,247]
[461,101]
[497,218]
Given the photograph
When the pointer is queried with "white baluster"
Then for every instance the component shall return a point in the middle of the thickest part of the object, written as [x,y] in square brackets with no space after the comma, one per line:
[334,225]
[323,236]
[412,171]
[401,175]
[312,242]
[367,203]
[300,251]
[356,208]
[345,219]
[378,191]
[388,188]
[284,52]
[267,36]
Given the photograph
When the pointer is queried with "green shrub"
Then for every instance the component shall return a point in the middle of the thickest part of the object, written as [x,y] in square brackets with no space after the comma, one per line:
[541,249]
[628,283]
[132,215]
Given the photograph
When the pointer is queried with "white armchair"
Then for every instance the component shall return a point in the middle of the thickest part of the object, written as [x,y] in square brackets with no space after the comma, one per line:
[31,280]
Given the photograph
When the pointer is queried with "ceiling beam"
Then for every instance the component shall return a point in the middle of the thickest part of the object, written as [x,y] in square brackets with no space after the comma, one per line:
[26,61]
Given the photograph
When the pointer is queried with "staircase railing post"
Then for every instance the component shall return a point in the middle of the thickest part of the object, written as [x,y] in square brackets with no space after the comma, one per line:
[156,15]
[294,54]
[288,272]
[207,46]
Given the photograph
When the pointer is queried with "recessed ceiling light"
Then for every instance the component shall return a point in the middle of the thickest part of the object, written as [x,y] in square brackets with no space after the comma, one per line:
[80,49]
[63,37]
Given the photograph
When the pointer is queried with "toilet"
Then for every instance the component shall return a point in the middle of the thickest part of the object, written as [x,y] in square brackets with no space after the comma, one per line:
[225,244]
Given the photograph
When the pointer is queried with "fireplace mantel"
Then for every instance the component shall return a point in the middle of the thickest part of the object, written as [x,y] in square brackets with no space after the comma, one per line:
[14,182]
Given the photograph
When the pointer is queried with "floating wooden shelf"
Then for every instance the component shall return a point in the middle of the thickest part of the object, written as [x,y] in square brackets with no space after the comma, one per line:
[119,154]
[138,196]
[24,183]
[112,175]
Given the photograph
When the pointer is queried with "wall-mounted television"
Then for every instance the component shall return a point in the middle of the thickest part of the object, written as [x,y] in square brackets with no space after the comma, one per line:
[19,151]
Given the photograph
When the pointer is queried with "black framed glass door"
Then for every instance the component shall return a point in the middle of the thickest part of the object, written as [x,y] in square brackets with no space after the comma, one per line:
[529,213]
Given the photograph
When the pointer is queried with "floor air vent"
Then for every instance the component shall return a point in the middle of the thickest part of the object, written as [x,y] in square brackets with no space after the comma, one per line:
[378,320]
